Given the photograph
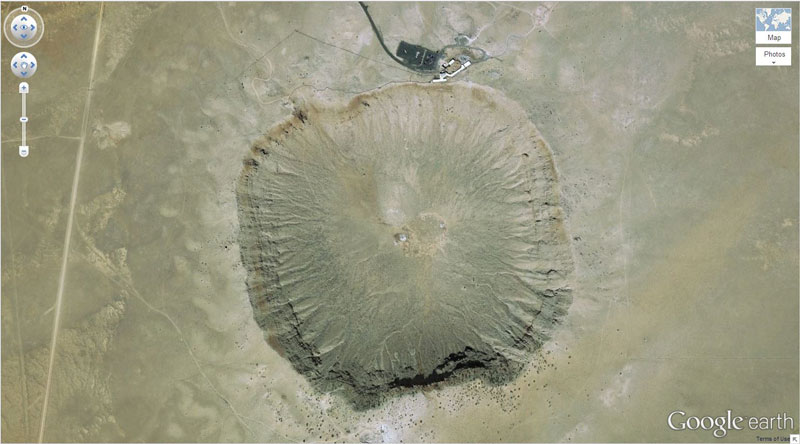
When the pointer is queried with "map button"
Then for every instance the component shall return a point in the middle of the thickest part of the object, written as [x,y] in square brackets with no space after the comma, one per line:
[774,26]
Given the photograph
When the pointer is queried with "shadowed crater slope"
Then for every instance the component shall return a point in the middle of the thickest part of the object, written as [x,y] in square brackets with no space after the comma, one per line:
[407,237]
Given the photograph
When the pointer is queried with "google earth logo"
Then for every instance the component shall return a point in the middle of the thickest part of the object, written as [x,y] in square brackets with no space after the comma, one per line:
[721,425]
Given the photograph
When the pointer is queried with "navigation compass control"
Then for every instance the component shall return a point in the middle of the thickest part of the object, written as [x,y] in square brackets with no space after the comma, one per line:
[23,27]
[24,65]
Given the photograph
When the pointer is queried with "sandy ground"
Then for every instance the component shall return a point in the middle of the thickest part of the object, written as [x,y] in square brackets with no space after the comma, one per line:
[678,166]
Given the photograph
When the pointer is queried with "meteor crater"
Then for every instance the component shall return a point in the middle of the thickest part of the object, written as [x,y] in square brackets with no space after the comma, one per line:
[411,236]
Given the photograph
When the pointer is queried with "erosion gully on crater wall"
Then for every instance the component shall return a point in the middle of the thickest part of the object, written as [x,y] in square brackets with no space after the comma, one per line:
[411,236]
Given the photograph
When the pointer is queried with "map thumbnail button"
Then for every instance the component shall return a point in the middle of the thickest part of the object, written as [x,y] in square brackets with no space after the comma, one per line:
[774,26]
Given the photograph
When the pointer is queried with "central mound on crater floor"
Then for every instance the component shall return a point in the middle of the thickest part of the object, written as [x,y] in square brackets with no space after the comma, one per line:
[405,237]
